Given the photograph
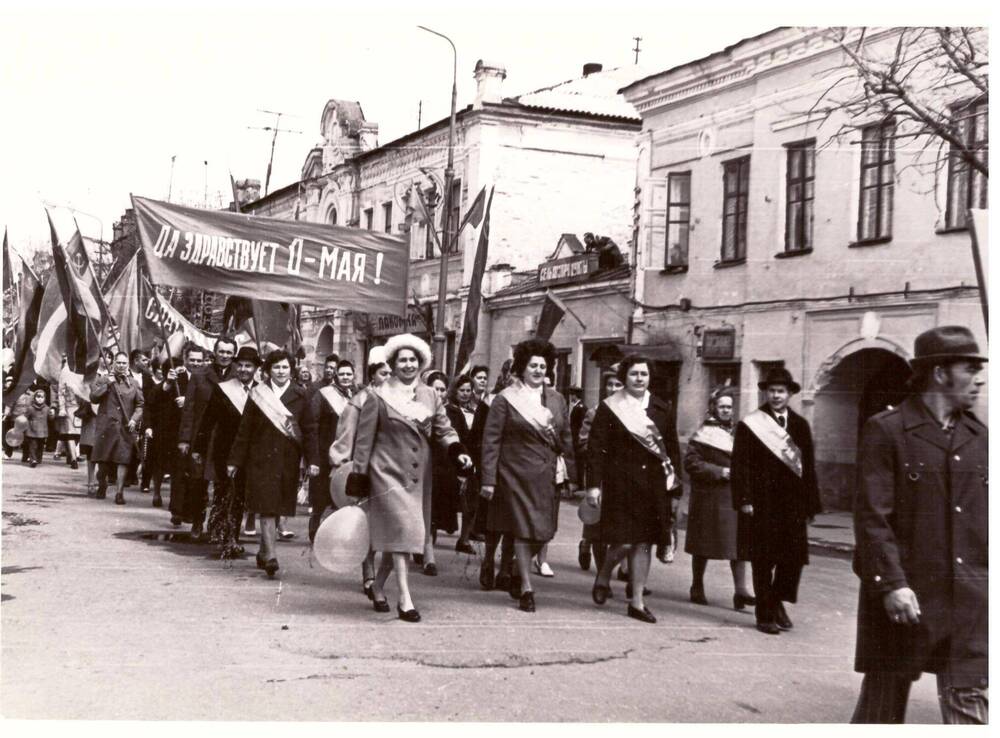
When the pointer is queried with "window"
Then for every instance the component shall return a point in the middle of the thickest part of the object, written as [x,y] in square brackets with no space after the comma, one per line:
[333,216]
[678,218]
[387,216]
[967,188]
[429,240]
[799,192]
[722,375]
[878,160]
[368,218]
[736,184]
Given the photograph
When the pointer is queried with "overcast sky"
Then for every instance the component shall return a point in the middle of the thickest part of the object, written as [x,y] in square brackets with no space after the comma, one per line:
[95,101]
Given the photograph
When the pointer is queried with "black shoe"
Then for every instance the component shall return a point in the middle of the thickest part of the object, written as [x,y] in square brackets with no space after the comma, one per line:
[697,595]
[527,601]
[176,520]
[622,576]
[271,567]
[515,587]
[418,559]
[431,569]
[367,586]
[261,562]
[32,463]
[740,601]
[74,465]
[768,627]
[502,582]
[600,593]
[644,614]
[584,555]
[486,578]
[197,531]
[646,591]
[410,616]
[380,605]
[102,492]
[464,547]
[120,498]
[781,618]
[157,501]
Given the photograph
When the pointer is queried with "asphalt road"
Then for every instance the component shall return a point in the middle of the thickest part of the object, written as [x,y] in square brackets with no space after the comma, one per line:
[103,620]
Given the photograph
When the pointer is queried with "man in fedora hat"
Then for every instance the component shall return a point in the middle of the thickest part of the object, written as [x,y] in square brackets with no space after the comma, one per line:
[774,488]
[921,524]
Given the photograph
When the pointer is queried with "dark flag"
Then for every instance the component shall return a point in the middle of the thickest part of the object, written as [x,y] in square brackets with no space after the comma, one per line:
[470,327]
[29,307]
[553,310]
[9,294]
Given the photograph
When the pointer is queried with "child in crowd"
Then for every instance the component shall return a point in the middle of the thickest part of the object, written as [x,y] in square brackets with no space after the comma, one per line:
[38,413]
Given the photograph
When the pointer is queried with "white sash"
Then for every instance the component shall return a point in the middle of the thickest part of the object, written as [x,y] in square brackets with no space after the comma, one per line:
[234,392]
[270,404]
[776,439]
[527,403]
[715,436]
[335,398]
[403,399]
[630,412]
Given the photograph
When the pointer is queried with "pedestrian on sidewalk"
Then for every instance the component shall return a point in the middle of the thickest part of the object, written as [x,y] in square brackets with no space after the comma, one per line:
[921,522]
[38,413]
[773,478]
[711,528]
[115,430]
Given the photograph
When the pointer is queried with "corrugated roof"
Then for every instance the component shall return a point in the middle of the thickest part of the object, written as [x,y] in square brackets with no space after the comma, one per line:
[531,283]
[595,94]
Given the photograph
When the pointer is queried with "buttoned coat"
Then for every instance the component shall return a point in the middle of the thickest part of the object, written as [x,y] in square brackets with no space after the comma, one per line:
[921,521]
[522,467]
[777,532]
[199,392]
[394,452]
[269,459]
[217,430]
[112,440]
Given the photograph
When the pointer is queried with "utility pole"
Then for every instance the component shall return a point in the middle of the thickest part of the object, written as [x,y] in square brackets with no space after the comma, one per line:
[170,187]
[205,205]
[274,139]
[420,112]
[637,39]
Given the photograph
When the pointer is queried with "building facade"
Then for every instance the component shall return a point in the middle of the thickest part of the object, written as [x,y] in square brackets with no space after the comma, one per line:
[772,231]
[561,159]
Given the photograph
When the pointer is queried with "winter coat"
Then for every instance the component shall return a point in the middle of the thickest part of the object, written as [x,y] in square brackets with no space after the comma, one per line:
[113,442]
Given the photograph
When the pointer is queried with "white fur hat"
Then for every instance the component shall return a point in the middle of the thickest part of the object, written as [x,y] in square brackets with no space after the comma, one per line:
[408,341]
[376,355]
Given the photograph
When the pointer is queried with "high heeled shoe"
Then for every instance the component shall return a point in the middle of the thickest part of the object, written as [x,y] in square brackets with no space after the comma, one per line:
[515,587]
[644,614]
[271,567]
[600,593]
[486,577]
[430,569]
[120,498]
[380,605]
[697,594]
[409,616]
[527,601]
[367,587]
[740,601]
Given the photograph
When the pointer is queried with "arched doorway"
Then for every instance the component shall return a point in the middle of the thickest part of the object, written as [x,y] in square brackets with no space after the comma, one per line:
[324,345]
[858,386]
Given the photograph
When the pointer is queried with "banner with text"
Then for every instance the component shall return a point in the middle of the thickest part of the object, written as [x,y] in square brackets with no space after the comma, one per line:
[271,259]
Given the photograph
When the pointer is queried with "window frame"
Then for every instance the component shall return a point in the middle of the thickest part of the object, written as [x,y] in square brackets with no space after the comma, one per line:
[387,216]
[881,128]
[958,166]
[369,214]
[683,225]
[735,168]
[802,179]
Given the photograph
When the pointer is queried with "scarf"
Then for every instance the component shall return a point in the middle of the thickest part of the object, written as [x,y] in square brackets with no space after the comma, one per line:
[713,433]
[632,415]
[776,439]
[403,399]
[529,404]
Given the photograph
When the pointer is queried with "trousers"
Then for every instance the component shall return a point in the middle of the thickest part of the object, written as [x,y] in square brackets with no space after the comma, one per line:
[774,582]
[884,696]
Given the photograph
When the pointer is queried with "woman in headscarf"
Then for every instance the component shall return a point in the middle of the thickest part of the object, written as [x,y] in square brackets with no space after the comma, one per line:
[711,527]
[467,414]
[631,478]
[527,428]
[392,464]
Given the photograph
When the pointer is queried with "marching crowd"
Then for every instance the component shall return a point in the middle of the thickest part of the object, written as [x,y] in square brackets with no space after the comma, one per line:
[430,453]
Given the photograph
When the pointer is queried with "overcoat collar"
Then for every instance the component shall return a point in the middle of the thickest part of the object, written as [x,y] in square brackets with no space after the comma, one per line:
[917,419]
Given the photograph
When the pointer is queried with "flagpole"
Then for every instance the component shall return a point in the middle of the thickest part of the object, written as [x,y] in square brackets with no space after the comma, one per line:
[102,305]
[144,274]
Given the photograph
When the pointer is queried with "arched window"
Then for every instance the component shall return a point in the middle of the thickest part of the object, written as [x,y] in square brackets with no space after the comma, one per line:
[332,217]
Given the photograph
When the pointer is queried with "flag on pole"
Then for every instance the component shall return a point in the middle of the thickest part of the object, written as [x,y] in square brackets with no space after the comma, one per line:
[470,327]
[475,213]
[29,306]
[553,310]
[9,294]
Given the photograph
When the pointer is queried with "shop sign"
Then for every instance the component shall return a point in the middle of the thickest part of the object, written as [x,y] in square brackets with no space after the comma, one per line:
[390,325]
[570,269]
[718,344]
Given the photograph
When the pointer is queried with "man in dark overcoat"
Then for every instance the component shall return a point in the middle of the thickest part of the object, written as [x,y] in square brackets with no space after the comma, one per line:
[167,405]
[921,523]
[774,489]
[191,503]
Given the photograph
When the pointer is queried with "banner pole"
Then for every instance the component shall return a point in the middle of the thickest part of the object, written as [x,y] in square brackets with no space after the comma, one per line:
[144,274]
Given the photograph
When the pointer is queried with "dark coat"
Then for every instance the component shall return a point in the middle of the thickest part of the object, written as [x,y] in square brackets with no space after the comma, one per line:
[711,528]
[164,417]
[38,421]
[576,415]
[782,502]
[268,458]
[323,424]
[921,521]
[113,442]
[217,430]
[635,504]
[445,500]
[523,468]
[199,392]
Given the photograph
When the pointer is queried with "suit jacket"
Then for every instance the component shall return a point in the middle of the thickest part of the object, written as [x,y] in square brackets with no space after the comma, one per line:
[217,430]
[782,501]
[921,520]
[322,422]
[199,392]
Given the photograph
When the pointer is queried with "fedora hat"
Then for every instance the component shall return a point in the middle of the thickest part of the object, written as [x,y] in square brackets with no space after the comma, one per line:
[247,353]
[779,375]
[945,343]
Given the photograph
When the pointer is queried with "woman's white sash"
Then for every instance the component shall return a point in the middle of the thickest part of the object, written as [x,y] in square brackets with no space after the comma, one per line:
[528,405]
[274,410]
[775,438]
[335,398]
[630,412]
[715,436]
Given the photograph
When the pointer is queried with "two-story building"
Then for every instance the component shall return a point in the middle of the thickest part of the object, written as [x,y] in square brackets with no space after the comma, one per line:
[776,229]
[562,160]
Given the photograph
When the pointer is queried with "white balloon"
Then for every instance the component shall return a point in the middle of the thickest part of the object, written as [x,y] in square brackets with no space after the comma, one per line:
[342,541]
[588,514]
[338,486]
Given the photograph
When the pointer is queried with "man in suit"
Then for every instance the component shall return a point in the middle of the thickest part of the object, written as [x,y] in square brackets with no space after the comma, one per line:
[774,489]
[921,522]
[142,375]
[167,403]
[191,504]
[325,408]
[216,432]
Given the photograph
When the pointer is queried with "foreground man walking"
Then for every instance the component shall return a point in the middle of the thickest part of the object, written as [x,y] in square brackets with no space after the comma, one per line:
[921,524]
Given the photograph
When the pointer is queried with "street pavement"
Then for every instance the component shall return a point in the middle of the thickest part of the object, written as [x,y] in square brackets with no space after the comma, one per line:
[103,619]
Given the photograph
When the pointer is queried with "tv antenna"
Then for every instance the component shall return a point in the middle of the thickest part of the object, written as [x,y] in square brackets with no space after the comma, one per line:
[637,39]
[276,129]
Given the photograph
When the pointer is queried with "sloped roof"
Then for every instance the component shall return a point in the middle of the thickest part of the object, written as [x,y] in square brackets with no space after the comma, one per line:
[595,94]
[531,283]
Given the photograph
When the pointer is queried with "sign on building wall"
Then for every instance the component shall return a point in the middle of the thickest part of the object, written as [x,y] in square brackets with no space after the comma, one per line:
[569,269]
[391,325]
[718,344]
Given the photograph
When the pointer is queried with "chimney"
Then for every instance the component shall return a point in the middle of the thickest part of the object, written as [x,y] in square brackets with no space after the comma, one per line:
[489,79]
[591,68]
[368,136]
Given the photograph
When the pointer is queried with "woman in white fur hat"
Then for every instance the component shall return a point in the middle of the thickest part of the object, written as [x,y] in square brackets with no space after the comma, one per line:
[392,463]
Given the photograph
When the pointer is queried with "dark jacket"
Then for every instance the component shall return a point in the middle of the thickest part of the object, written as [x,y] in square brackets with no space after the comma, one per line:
[921,521]
[322,429]
[217,431]
[199,392]
[164,417]
[782,501]
[576,415]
